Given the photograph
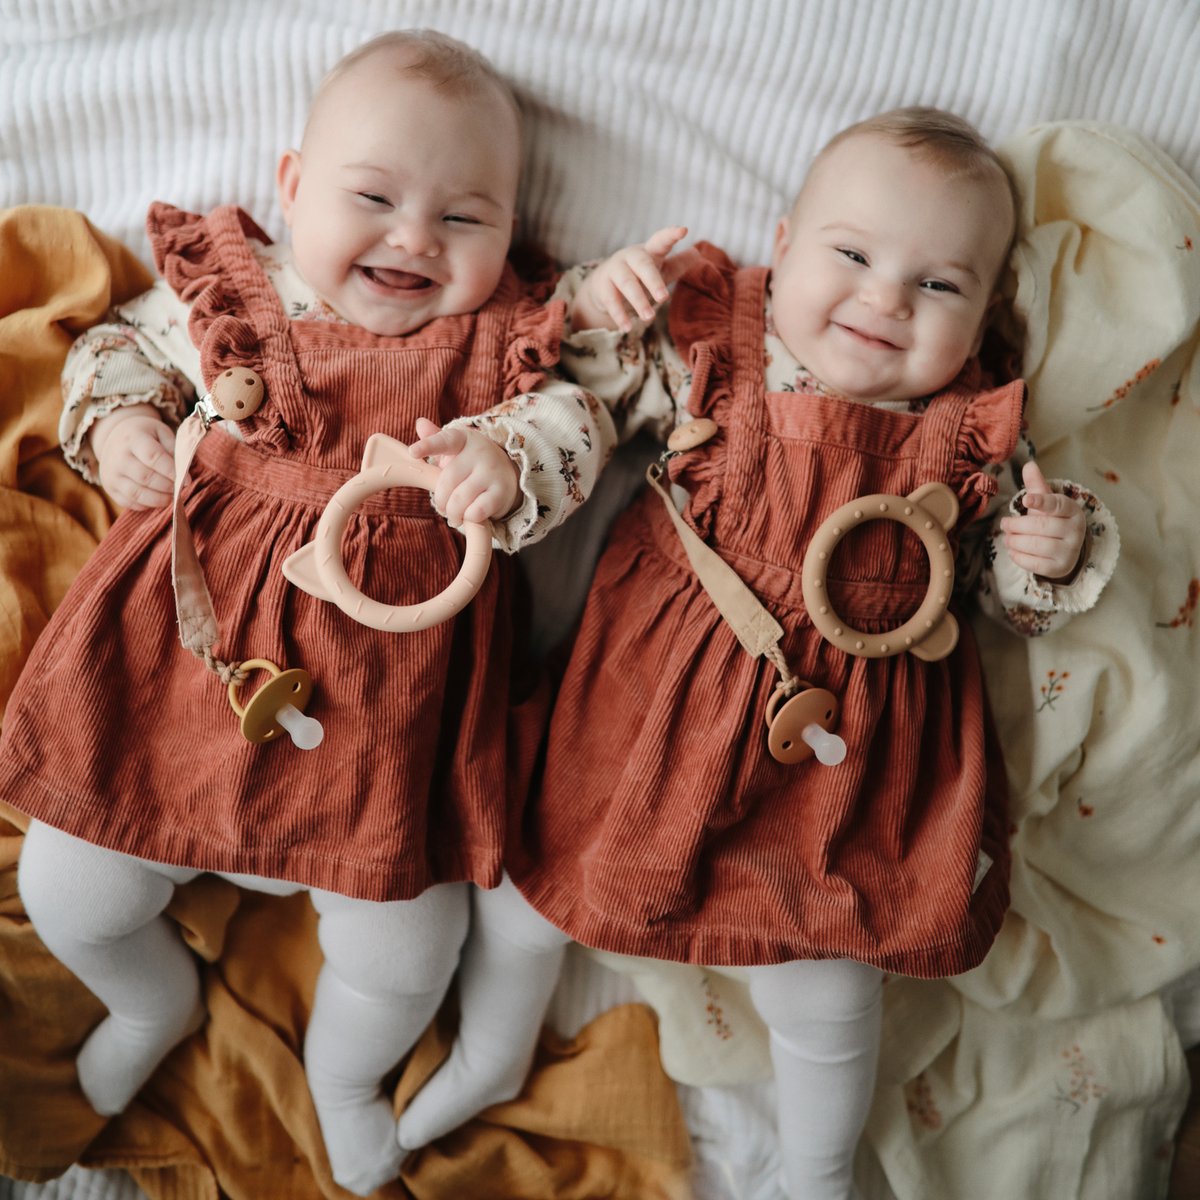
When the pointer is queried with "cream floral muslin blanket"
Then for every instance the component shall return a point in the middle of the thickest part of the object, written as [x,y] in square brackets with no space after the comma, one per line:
[1054,1070]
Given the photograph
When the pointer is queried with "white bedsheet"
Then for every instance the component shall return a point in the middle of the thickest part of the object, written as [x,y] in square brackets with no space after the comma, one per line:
[1061,1049]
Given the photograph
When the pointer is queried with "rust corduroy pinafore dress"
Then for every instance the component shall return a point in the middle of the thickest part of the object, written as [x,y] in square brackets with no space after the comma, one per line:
[118,735]
[662,826]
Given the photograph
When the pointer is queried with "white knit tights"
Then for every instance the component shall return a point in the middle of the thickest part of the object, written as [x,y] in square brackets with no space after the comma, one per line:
[386,969]
[824,1022]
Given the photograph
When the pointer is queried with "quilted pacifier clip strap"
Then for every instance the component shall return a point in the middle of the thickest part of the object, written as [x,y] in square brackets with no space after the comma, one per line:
[757,631]
[235,395]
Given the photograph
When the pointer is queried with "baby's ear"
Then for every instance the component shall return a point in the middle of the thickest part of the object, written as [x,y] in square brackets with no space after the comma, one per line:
[783,238]
[287,180]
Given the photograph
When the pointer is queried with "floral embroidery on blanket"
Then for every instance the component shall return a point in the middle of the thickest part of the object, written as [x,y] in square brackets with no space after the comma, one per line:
[1080,1086]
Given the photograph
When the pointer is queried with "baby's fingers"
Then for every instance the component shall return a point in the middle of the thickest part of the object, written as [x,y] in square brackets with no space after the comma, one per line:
[660,243]
[475,498]
[154,449]
[437,443]
[636,282]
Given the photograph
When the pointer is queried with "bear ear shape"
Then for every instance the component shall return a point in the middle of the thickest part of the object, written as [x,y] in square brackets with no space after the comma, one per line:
[382,451]
[300,568]
[938,501]
[940,640]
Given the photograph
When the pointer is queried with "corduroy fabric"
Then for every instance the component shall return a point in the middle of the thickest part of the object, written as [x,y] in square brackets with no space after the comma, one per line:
[662,826]
[118,735]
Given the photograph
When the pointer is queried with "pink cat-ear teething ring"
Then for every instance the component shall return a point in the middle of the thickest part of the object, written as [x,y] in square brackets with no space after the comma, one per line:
[931,632]
[317,566]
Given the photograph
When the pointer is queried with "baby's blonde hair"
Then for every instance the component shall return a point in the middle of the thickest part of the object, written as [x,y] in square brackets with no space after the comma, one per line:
[942,138]
[445,62]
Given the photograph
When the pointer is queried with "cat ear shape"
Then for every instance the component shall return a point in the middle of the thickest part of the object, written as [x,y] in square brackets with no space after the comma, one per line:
[383,451]
[300,568]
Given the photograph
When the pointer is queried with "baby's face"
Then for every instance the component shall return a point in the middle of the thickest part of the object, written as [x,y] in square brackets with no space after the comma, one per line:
[884,272]
[402,201]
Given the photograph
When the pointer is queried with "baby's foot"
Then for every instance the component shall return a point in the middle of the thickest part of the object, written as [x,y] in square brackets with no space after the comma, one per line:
[460,1089]
[121,1054]
[360,1139]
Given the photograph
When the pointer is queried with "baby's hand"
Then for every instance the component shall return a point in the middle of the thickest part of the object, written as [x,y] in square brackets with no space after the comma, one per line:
[135,451]
[1049,538]
[634,279]
[478,481]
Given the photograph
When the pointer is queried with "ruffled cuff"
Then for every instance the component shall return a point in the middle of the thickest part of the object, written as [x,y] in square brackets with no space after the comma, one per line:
[104,371]
[1035,606]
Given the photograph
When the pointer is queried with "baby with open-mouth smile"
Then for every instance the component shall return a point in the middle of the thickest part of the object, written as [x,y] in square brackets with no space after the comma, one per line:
[401,200]
[394,310]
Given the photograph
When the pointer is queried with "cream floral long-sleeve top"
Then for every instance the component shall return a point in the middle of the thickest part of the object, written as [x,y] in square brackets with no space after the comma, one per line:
[644,381]
[560,437]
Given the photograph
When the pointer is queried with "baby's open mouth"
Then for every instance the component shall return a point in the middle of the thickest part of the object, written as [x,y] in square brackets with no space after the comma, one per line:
[404,281]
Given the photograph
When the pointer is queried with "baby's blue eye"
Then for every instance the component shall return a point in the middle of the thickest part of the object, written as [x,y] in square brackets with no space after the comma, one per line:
[939,285]
[854,256]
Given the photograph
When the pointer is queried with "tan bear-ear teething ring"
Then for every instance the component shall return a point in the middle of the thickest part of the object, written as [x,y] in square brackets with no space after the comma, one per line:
[318,569]
[931,632]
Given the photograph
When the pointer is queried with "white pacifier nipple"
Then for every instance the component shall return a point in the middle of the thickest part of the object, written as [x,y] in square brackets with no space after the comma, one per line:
[828,747]
[307,732]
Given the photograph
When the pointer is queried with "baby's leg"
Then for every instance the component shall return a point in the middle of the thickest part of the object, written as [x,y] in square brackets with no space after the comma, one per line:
[510,965]
[386,969]
[824,1019]
[99,913]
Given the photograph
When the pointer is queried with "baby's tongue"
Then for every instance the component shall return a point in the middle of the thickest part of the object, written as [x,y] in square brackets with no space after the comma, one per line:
[398,279]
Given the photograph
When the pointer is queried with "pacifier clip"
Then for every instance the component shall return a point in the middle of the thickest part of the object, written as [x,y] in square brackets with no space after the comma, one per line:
[279,705]
[799,716]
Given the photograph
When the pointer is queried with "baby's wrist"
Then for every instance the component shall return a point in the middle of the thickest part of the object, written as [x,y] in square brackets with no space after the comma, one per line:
[103,427]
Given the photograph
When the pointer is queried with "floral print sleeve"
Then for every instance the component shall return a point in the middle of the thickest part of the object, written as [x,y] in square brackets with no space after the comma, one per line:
[560,437]
[639,376]
[142,355]
[1026,603]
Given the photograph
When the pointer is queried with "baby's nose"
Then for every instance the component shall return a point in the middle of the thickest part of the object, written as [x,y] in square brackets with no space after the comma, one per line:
[888,296]
[417,236]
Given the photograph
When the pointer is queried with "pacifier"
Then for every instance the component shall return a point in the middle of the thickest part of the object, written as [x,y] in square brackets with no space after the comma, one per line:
[799,726]
[278,706]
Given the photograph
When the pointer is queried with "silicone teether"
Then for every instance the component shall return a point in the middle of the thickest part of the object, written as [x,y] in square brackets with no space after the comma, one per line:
[931,632]
[317,566]
[278,706]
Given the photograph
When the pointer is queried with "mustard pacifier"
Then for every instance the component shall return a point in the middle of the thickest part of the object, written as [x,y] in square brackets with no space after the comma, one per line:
[278,706]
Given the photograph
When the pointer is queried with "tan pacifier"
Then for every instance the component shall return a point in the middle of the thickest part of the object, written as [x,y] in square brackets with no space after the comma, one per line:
[799,725]
[931,632]
[317,567]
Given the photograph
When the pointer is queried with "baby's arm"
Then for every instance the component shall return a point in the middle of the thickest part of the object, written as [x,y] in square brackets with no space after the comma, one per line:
[126,384]
[1047,552]
[557,440]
